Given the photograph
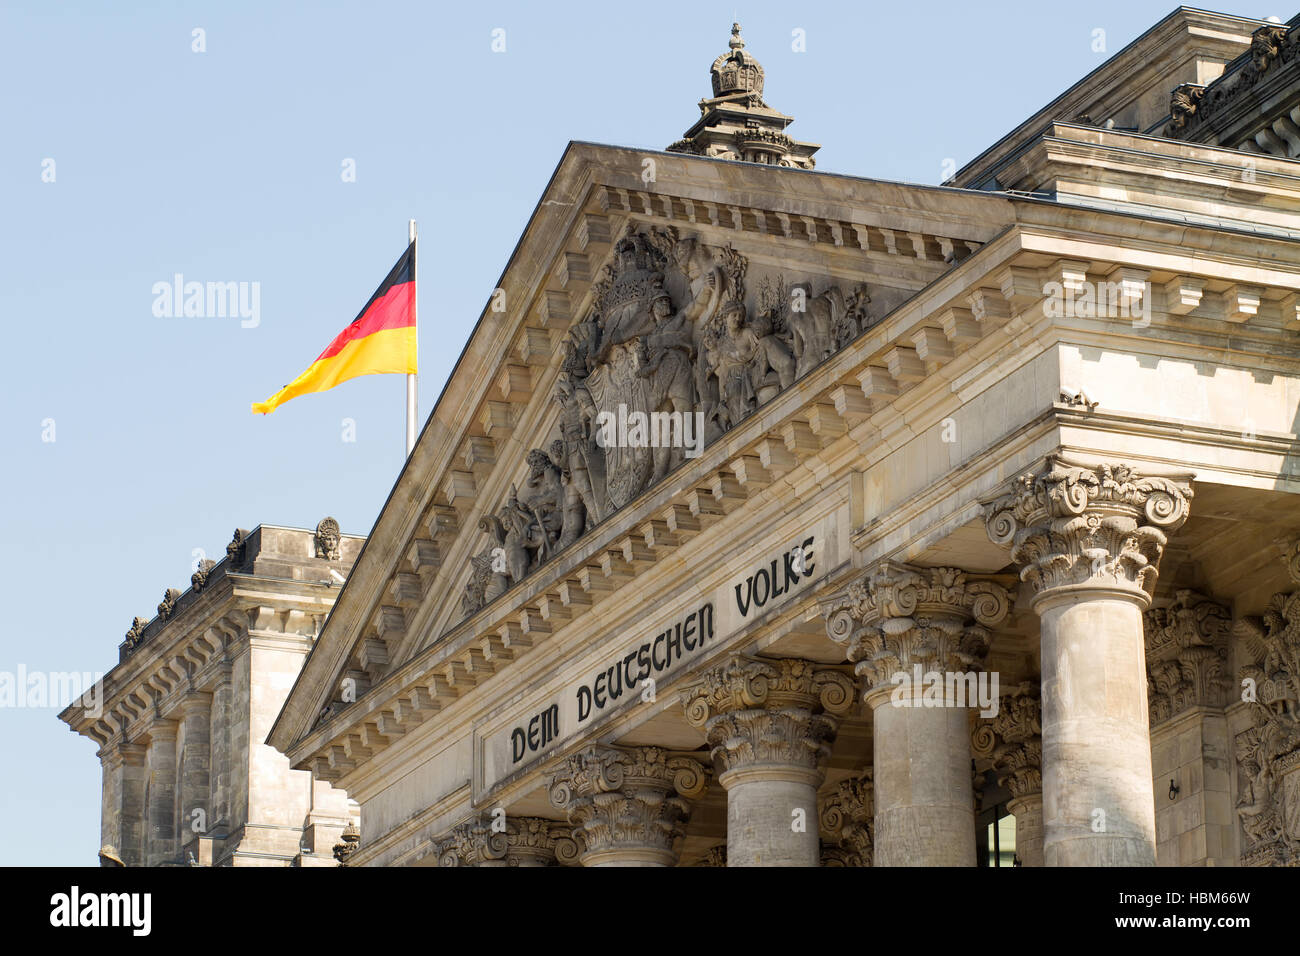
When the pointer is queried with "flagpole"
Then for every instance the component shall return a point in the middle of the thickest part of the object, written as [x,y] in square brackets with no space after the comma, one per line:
[410,378]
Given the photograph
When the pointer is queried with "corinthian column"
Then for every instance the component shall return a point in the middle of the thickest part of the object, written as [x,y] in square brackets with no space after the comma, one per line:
[770,725]
[1012,740]
[630,805]
[1088,540]
[919,637]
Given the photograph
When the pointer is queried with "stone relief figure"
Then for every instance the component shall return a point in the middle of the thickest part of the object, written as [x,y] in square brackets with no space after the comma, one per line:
[667,336]
[1268,752]
[668,364]
[735,358]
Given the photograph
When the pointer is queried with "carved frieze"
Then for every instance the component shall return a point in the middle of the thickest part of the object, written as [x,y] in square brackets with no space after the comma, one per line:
[1079,525]
[1271,46]
[673,352]
[1187,655]
[1268,753]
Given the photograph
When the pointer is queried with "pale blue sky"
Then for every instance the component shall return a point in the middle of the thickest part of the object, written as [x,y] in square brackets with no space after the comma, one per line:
[225,166]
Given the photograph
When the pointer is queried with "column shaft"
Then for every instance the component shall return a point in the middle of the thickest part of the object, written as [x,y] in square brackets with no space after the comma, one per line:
[1098,800]
[924,802]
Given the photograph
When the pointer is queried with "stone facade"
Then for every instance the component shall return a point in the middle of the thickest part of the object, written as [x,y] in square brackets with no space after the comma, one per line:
[183,717]
[789,519]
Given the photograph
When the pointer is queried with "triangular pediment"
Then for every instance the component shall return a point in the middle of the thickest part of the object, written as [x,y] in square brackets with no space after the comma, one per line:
[644,283]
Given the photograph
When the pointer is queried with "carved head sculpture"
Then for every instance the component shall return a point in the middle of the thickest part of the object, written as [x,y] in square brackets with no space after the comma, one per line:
[662,307]
[538,463]
[733,315]
[328,539]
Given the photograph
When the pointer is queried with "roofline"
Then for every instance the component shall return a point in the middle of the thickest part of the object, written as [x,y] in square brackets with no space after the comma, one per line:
[1097,71]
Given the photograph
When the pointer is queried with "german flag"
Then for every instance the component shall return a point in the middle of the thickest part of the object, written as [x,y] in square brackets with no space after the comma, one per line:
[380,339]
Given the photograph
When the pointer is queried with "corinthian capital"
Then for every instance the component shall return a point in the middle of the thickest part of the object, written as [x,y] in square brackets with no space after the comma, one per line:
[473,843]
[1187,655]
[776,714]
[535,841]
[627,801]
[1012,740]
[847,817]
[1074,525]
[897,616]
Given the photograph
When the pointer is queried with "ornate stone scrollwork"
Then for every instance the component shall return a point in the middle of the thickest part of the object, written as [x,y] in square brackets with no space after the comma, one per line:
[135,634]
[897,616]
[536,841]
[237,549]
[1187,655]
[1012,740]
[1269,45]
[473,843]
[1078,525]
[668,358]
[200,576]
[168,603]
[1268,753]
[847,816]
[627,801]
[328,540]
[759,712]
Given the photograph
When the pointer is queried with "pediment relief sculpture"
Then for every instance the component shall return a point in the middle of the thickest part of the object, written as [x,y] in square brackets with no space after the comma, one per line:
[674,350]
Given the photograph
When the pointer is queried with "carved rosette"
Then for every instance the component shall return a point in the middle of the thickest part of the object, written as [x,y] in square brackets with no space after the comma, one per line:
[847,817]
[1268,752]
[896,617]
[1012,741]
[627,801]
[1187,655]
[1079,526]
[776,715]
[473,843]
